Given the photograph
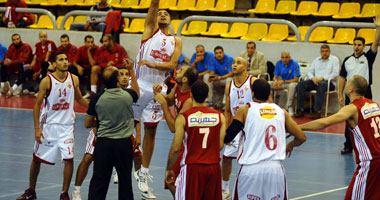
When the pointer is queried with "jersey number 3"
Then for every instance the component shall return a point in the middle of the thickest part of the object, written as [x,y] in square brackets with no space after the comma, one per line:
[376,126]
[269,137]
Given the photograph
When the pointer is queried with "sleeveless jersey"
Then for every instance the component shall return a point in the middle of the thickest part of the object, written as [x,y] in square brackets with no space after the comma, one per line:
[365,136]
[180,98]
[58,106]
[156,49]
[240,96]
[263,137]
[202,136]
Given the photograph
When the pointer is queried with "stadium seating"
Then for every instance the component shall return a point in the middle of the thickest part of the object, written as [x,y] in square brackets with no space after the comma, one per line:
[348,10]
[166,4]
[327,9]
[35,2]
[127,4]
[35,20]
[71,3]
[176,23]
[44,22]
[88,3]
[369,10]
[284,7]
[237,30]
[277,33]
[223,6]
[256,31]
[113,2]
[302,30]
[263,7]
[136,26]
[306,8]
[144,4]
[68,22]
[343,35]
[80,19]
[203,5]
[216,29]
[195,28]
[321,34]
[126,22]
[183,5]
[367,33]
[52,2]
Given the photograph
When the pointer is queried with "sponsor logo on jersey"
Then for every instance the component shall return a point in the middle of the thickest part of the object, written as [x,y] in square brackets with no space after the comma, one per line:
[253,197]
[158,55]
[267,112]
[203,119]
[69,85]
[156,107]
[61,106]
[370,110]
[246,87]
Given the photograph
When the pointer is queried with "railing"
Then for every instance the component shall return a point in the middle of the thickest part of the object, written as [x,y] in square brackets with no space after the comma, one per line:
[337,24]
[237,19]
[35,11]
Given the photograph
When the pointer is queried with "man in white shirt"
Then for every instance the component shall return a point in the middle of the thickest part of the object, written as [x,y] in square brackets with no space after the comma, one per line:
[322,69]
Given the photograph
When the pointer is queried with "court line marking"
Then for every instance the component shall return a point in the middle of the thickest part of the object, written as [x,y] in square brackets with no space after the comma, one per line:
[39,189]
[320,193]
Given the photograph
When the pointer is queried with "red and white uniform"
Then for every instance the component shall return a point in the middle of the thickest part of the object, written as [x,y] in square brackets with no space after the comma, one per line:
[200,175]
[156,49]
[261,152]
[57,121]
[40,51]
[366,140]
[239,97]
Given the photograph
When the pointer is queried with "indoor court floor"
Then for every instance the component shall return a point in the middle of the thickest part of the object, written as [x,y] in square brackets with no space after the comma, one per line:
[315,171]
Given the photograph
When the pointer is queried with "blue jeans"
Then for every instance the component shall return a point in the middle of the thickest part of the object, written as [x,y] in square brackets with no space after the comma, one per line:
[80,27]
[308,85]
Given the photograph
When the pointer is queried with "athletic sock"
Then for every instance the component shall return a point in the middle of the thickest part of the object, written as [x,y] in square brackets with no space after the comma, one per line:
[93,88]
[76,187]
[144,170]
[225,185]
[2,84]
[14,87]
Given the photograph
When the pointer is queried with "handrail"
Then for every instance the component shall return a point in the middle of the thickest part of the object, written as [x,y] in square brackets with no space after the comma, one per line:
[103,13]
[35,11]
[337,24]
[237,19]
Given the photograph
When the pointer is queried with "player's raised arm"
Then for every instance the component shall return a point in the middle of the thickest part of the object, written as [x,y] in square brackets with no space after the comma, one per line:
[294,130]
[151,20]
[44,88]
[227,110]
[222,131]
[376,42]
[134,85]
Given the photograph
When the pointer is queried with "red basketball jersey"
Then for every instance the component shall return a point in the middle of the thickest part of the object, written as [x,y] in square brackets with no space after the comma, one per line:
[180,98]
[365,136]
[202,136]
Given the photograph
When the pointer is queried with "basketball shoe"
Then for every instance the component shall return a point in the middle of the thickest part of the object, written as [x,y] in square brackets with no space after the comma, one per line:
[28,195]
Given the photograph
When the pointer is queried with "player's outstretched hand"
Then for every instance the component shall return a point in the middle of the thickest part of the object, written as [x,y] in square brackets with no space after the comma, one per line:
[157,88]
[128,63]
[38,135]
[145,62]
[169,177]
[376,20]
[159,98]
[289,149]
[136,142]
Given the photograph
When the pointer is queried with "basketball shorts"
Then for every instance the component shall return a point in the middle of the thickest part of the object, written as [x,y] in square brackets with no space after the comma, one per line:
[146,108]
[231,151]
[57,138]
[199,182]
[90,146]
[264,180]
[365,182]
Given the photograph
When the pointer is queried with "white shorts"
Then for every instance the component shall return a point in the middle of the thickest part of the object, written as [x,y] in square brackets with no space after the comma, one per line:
[57,138]
[264,180]
[146,108]
[90,146]
[231,151]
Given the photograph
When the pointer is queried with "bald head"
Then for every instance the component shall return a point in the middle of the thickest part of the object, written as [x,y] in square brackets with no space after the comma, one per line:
[110,77]
[285,57]
[359,84]
[239,66]
[43,37]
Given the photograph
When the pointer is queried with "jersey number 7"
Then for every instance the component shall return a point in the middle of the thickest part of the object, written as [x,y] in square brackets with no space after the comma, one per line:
[205,131]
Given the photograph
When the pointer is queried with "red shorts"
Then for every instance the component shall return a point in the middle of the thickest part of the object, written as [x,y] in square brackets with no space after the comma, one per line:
[176,167]
[201,182]
[137,151]
[365,182]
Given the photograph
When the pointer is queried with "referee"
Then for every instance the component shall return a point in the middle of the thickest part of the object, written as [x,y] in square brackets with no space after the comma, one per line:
[359,63]
[111,112]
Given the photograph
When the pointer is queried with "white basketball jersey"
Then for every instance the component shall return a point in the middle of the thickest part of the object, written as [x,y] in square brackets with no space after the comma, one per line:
[264,135]
[156,49]
[240,96]
[58,106]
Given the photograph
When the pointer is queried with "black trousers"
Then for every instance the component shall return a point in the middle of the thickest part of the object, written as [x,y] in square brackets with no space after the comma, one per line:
[347,143]
[111,153]
[85,78]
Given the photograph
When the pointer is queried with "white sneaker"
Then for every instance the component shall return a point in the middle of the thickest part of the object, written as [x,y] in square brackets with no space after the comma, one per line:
[8,89]
[291,111]
[136,175]
[143,181]
[115,177]
[75,195]
[18,91]
[148,195]
[226,195]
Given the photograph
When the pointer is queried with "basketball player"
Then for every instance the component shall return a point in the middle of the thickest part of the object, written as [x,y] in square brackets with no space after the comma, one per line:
[159,53]
[363,118]
[262,146]
[180,98]
[238,94]
[54,129]
[89,152]
[201,130]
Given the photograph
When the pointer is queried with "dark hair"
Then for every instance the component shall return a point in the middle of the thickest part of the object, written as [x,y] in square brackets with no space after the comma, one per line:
[56,55]
[261,89]
[111,81]
[360,38]
[65,36]
[109,36]
[88,36]
[218,47]
[200,45]
[192,75]
[199,90]
[123,67]
[15,35]
[325,46]
[252,42]
[360,85]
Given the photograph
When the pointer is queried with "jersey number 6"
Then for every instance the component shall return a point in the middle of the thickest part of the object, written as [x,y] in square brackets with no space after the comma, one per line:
[268,138]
